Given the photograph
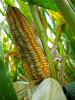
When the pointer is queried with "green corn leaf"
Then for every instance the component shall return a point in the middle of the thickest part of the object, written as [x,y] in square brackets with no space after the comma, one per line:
[7,91]
[48,4]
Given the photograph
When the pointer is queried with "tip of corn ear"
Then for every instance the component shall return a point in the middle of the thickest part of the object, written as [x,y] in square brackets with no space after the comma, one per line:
[9,8]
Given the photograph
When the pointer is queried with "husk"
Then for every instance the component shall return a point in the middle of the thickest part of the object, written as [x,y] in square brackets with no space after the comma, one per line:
[49,89]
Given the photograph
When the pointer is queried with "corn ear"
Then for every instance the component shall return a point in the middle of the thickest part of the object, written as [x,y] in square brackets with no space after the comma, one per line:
[32,56]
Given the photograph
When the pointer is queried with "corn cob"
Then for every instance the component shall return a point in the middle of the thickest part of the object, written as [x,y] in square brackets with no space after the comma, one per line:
[32,56]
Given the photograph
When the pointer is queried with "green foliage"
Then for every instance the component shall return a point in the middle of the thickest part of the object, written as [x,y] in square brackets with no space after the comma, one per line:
[7,91]
[49,4]
[10,2]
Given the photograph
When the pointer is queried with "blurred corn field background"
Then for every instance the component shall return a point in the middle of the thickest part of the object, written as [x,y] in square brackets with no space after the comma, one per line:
[53,23]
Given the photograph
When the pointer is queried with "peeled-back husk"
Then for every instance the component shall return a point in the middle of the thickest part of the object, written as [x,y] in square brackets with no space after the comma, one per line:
[48,89]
